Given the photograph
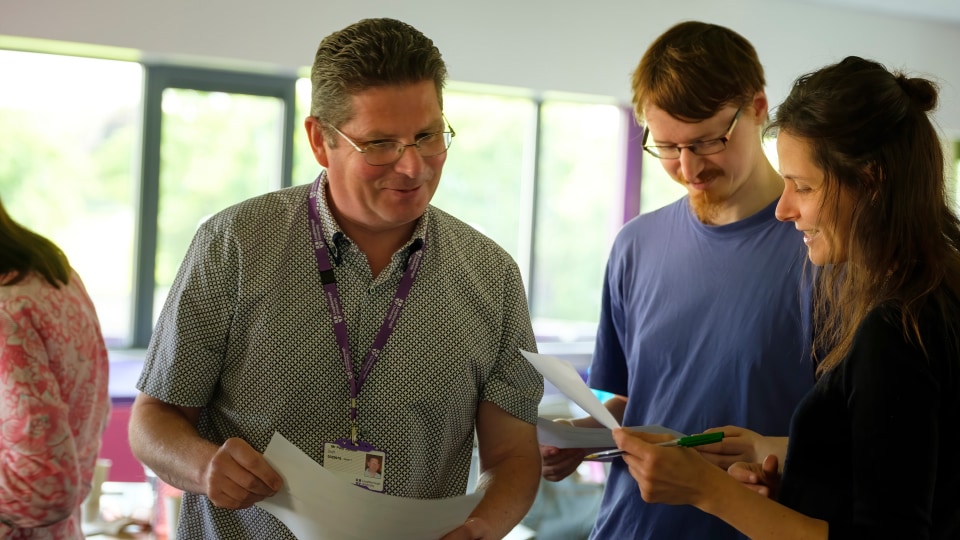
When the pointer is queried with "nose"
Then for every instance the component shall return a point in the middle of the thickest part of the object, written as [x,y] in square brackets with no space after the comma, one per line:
[691,165]
[410,162]
[786,210]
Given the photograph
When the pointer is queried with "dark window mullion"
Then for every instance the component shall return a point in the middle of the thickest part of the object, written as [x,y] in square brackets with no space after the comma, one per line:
[156,80]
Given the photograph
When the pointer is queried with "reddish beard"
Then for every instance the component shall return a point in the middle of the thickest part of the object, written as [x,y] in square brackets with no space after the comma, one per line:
[706,204]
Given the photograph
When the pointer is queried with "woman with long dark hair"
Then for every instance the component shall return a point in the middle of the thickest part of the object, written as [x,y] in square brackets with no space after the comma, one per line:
[53,388]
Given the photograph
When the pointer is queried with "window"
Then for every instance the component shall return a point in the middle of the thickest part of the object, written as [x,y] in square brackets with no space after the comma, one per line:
[305,166]
[545,181]
[216,149]
[68,163]
[486,172]
[119,162]
[579,210]
[211,138]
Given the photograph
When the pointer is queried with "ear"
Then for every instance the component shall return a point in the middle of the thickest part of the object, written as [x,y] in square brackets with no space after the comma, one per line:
[316,138]
[760,107]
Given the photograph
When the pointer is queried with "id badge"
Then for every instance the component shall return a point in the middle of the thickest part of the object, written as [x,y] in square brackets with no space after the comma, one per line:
[360,464]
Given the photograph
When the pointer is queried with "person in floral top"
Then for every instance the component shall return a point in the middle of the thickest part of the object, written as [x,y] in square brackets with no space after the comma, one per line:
[53,388]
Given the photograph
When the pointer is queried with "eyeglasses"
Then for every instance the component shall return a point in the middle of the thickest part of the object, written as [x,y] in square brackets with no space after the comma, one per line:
[702,148]
[379,153]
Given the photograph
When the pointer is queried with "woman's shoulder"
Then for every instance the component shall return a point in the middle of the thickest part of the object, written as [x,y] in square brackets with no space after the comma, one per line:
[31,285]
[930,336]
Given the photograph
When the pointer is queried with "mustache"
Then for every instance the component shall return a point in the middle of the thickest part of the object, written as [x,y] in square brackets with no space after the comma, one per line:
[704,176]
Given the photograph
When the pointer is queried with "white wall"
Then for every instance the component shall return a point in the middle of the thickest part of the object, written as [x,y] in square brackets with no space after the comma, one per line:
[585,47]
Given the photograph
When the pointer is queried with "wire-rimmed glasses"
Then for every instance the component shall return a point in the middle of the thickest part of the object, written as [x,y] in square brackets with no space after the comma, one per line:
[386,152]
[702,148]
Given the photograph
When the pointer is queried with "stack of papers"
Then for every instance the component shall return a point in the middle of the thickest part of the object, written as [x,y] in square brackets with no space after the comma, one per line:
[317,505]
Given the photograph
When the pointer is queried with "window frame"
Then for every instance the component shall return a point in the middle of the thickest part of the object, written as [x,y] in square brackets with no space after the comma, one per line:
[157,78]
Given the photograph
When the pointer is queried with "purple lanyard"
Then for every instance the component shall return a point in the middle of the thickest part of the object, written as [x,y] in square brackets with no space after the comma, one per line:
[329,282]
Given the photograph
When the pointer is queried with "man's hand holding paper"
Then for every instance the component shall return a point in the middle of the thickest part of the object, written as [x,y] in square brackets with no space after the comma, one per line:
[564,443]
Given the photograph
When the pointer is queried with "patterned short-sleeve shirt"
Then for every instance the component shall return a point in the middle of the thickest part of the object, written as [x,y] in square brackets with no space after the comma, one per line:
[246,334]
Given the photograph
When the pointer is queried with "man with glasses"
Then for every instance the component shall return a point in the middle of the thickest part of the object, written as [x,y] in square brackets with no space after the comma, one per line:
[700,326]
[348,315]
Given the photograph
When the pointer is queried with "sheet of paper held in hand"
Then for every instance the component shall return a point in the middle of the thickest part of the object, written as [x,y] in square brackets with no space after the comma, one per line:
[316,505]
[565,377]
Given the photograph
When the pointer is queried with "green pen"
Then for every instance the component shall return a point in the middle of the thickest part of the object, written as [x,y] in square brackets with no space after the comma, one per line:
[692,440]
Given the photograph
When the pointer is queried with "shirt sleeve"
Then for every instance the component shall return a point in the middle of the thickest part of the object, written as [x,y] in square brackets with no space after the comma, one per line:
[184,360]
[608,370]
[39,463]
[515,386]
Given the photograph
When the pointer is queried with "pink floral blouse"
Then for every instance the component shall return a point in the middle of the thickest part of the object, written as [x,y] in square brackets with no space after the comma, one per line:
[53,406]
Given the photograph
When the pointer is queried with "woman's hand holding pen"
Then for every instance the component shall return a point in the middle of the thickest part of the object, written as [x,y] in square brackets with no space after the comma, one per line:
[664,474]
[741,445]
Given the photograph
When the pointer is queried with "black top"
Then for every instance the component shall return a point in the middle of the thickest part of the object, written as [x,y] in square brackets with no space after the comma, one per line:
[875,446]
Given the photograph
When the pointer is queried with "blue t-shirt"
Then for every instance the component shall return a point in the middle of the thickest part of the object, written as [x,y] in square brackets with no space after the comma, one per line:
[700,326]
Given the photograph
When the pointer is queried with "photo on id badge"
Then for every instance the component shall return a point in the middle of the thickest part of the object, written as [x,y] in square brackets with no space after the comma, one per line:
[362,468]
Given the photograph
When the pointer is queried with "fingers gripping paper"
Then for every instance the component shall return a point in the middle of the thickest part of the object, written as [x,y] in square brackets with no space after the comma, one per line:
[317,505]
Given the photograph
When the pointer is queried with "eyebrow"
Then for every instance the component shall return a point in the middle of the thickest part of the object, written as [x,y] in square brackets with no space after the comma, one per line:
[795,177]
[658,142]
[380,135]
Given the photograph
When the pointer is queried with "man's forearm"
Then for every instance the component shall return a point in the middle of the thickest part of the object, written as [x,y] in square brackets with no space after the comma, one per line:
[165,440]
[509,490]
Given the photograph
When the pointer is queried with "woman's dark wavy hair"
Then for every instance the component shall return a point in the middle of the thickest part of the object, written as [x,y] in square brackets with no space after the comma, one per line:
[870,133]
[23,251]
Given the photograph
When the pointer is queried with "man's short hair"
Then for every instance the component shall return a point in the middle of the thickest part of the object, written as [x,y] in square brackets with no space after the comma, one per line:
[694,69]
[367,54]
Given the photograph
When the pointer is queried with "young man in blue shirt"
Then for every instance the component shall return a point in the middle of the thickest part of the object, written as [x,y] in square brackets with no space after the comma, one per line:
[700,325]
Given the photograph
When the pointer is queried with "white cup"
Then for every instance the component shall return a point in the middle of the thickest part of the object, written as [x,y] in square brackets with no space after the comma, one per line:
[171,509]
[91,505]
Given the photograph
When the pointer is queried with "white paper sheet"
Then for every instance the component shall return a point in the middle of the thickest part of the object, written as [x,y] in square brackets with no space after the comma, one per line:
[562,435]
[316,505]
[565,377]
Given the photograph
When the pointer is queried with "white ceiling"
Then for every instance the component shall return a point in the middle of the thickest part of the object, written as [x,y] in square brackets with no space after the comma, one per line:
[946,11]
